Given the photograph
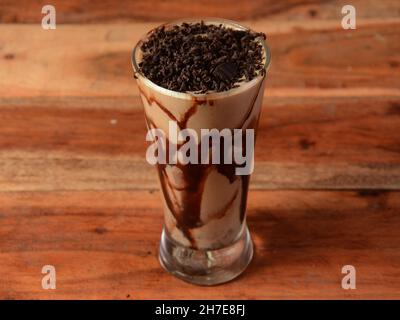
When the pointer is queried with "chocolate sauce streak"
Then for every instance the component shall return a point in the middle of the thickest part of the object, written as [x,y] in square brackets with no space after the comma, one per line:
[252,125]
[187,208]
[251,109]
[151,100]
[182,124]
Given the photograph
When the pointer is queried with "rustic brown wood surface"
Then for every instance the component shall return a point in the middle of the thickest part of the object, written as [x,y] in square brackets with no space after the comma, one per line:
[100,11]
[104,245]
[77,193]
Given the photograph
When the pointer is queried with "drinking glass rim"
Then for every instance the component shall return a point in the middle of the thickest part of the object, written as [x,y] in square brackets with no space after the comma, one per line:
[201,96]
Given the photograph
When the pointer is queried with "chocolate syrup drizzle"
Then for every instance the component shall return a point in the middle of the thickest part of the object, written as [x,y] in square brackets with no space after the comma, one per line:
[187,210]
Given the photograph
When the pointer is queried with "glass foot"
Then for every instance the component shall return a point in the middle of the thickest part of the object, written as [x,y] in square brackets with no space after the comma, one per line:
[206,267]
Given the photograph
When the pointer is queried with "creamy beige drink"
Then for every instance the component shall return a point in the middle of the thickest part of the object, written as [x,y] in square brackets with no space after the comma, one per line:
[205,238]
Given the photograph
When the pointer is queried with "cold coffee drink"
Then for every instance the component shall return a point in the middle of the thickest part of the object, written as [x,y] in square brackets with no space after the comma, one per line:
[202,84]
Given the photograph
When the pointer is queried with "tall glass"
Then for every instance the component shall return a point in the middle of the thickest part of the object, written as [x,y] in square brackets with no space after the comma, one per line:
[205,239]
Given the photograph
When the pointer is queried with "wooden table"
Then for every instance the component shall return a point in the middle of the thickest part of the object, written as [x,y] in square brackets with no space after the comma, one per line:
[77,193]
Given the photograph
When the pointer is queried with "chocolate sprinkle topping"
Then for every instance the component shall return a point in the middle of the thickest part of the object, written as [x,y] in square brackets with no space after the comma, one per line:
[225,71]
[199,58]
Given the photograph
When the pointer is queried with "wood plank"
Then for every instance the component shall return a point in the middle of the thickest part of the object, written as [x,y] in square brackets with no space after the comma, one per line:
[89,11]
[99,249]
[76,192]
[93,60]
[307,143]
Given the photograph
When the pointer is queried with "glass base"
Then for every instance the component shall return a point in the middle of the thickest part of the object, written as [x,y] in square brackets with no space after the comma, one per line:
[206,267]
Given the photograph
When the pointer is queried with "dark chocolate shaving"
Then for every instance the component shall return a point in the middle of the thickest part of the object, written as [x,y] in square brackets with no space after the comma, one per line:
[197,57]
[225,72]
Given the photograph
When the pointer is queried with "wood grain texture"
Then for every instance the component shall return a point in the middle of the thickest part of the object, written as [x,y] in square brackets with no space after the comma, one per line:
[100,250]
[76,192]
[76,144]
[93,60]
[97,11]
